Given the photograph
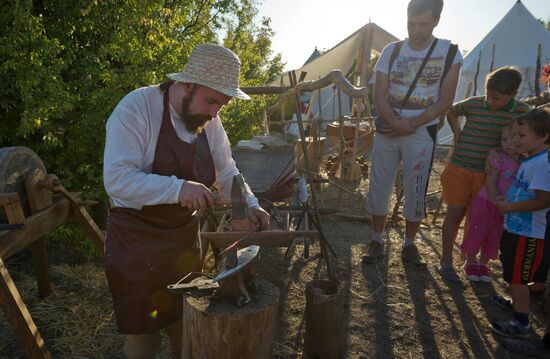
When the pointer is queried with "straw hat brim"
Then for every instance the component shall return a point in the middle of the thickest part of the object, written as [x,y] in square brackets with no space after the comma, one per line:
[229,91]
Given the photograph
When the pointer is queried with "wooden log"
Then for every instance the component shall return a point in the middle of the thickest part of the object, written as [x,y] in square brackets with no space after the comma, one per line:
[35,227]
[39,198]
[83,218]
[19,317]
[324,337]
[14,213]
[216,328]
[265,238]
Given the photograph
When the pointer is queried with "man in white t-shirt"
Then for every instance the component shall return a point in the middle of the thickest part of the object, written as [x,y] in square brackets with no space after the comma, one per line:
[165,147]
[406,132]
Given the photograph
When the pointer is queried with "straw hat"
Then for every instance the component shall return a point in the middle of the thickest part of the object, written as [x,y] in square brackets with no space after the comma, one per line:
[213,66]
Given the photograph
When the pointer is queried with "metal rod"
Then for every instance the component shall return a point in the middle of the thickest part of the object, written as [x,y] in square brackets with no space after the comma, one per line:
[322,240]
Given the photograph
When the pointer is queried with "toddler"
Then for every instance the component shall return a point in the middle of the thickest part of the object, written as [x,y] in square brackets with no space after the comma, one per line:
[485,223]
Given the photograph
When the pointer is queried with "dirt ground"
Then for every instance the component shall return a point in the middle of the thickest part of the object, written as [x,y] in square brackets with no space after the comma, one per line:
[391,310]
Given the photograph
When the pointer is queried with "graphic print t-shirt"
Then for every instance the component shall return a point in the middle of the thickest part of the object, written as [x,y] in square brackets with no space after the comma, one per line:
[533,174]
[404,70]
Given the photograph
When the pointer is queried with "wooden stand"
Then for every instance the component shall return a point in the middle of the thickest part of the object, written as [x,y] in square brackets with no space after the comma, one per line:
[324,337]
[351,143]
[216,328]
[314,149]
[46,215]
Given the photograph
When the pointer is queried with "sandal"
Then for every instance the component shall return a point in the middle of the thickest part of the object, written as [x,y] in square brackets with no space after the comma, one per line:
[533,347]
[511,328]
[502,302]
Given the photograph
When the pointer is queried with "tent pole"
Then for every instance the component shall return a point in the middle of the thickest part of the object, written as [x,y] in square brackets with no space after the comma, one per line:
[492,59]
[537,70]
[477,73]
[322,240]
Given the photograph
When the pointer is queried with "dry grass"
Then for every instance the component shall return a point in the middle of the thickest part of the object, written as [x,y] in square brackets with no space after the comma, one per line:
[390,310]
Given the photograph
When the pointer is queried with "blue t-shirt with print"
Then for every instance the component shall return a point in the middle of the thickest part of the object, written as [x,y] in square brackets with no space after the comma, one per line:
[533,174]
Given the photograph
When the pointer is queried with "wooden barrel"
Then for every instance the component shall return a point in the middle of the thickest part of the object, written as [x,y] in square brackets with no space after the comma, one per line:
[217,328]
[324,337]
[364,141]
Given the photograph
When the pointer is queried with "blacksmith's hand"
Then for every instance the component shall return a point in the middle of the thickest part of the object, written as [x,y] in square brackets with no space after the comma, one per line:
[195,196]
[258,218]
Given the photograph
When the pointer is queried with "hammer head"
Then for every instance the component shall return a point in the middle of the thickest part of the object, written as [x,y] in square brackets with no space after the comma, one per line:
[239,207]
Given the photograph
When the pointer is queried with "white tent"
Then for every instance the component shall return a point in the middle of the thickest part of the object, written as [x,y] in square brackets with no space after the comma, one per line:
[515,40]
[344,56]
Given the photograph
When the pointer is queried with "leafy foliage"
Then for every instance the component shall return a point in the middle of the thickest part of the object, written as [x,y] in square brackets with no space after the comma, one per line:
[66,64]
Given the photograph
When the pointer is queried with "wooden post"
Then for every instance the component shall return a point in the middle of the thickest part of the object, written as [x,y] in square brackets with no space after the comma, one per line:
[216,328]
[324,337]
[12,207]
[283,119]
[39,198]
[265,122]
[19,317]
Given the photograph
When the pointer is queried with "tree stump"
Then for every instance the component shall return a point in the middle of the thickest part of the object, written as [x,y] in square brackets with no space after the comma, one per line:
[217,328]
[324,337]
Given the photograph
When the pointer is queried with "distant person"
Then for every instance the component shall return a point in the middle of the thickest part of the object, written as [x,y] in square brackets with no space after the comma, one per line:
[482,235]
[524,253]
[409,103]
[165,147]
[464,174]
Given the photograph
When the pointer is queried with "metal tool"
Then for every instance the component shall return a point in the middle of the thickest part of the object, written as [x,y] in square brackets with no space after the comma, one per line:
[230,281]
[244,257]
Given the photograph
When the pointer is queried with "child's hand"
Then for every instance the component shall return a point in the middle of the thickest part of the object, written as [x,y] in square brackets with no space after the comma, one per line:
[502,204]
[494,158]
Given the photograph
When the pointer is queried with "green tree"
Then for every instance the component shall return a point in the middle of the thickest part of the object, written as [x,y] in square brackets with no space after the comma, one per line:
[252,42]
[65,65]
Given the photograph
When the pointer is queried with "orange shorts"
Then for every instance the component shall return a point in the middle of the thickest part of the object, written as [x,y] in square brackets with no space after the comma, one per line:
[460,185]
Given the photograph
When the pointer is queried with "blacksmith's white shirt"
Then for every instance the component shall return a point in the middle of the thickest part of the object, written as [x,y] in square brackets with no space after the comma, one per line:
[132,132]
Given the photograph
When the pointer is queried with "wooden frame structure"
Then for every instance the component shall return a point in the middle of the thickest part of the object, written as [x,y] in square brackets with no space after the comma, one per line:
[46,216]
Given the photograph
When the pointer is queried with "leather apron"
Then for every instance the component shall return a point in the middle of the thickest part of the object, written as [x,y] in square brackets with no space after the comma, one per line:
[147,249]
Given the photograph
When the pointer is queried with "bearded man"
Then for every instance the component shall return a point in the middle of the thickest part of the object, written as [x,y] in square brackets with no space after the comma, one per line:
[165,147]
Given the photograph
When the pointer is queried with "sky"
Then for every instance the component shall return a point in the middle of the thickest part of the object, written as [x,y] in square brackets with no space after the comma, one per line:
[300,25]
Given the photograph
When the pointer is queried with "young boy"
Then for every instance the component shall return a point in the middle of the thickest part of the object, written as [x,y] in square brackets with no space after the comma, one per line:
[522,246]
[534,346]
[464,175]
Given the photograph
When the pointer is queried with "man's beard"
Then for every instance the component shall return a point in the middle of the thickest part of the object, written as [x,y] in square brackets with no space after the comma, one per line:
[193,123]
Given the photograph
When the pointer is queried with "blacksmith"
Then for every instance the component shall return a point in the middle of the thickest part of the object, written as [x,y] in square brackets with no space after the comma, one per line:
[165,148]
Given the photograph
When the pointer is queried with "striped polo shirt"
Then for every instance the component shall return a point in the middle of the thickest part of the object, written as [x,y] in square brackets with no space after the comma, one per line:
[482,130]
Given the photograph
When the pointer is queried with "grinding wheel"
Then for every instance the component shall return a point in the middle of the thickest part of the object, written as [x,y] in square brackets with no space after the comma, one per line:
[15,164]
